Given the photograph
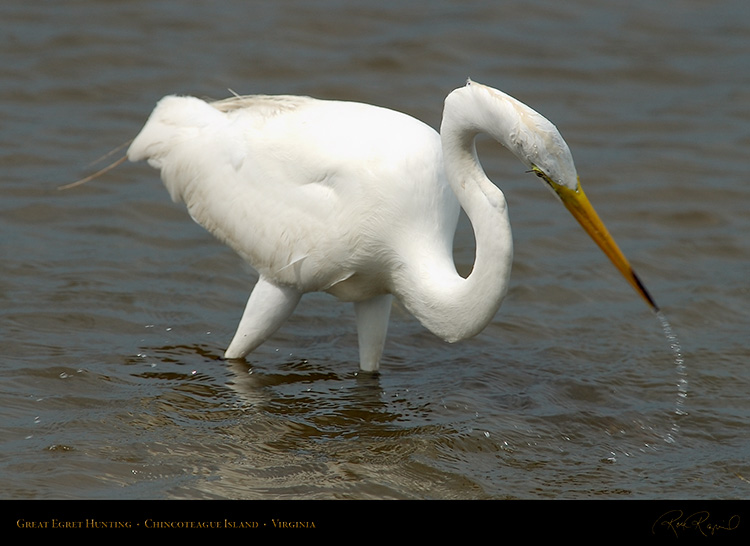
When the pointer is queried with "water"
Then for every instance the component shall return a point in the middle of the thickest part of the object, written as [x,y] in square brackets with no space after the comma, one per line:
[680,372]
[115,308]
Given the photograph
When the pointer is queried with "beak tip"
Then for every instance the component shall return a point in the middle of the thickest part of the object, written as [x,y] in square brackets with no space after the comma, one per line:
[642,290]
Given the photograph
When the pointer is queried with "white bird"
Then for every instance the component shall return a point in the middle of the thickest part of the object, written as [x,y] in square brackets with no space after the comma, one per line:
[361,202]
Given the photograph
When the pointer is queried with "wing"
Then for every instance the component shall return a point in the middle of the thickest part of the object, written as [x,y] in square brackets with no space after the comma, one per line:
[309,192]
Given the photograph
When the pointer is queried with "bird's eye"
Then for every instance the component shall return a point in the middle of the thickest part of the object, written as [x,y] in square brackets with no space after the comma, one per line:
[537,171]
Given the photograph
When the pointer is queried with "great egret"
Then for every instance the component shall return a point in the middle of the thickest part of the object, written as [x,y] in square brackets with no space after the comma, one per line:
[360,202]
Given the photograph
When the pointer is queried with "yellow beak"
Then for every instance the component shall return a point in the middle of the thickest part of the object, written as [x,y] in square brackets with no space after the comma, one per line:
[580,207]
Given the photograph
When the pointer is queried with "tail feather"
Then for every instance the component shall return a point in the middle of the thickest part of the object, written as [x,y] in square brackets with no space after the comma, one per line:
[173,120]
[177,139]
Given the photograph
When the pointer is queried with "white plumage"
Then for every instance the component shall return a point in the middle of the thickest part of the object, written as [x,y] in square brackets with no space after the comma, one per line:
[358,201]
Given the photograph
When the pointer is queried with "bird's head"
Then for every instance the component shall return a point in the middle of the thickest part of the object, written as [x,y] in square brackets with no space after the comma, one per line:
[528,135]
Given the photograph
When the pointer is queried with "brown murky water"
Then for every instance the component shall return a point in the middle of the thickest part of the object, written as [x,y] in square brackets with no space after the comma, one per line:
[115,307]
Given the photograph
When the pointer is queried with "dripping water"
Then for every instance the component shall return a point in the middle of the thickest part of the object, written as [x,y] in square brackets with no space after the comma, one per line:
[680,371]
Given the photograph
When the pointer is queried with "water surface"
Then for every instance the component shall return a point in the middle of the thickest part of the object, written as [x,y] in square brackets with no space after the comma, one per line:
[115,308]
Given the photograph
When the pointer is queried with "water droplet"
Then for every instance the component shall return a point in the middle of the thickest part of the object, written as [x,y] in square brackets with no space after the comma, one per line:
[680,369]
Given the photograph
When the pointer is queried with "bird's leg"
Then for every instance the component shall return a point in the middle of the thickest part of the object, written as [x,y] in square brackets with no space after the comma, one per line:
[267,309]
[372,327]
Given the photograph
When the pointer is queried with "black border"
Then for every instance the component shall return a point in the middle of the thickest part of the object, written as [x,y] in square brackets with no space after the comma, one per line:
[663,521]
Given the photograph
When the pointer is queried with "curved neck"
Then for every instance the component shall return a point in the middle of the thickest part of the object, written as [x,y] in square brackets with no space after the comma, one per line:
[450,306]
